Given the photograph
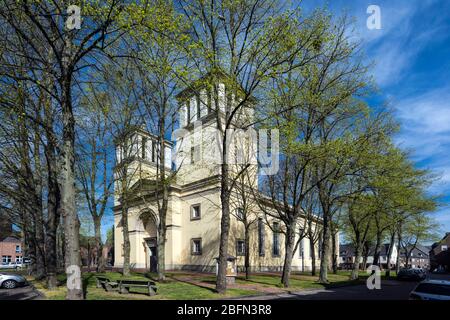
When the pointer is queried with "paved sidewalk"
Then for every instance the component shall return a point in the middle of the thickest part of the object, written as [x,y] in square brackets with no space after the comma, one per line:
[23,293]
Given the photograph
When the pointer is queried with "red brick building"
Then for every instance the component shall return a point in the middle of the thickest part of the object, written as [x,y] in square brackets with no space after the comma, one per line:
[11,250]
[440,254]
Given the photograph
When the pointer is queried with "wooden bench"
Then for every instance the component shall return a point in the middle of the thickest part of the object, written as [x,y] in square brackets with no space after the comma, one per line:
[125,285]
[107,284]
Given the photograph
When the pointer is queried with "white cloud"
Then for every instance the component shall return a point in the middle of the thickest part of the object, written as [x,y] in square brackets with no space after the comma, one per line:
[427,114]
[425,121]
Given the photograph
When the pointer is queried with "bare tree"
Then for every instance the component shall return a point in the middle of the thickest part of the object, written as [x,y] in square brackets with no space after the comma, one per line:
[93,169]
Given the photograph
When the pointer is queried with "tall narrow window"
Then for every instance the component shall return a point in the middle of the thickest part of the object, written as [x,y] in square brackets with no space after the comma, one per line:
[192,155]
[188,112]
[143,147]
[300,249]
[240,247]
[198,107]
[300,246]
[276,240]
[196,246]
[240,213]
[261,237]
[209,102]
[153,151]
[195,212]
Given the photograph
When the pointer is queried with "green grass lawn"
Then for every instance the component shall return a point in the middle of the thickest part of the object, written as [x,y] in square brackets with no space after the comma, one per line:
[170,289]
[199,286]
[298,281]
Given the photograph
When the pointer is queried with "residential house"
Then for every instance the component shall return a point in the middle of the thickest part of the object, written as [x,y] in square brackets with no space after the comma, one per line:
[419,257]
[440,254]
[347,256]
[11,250]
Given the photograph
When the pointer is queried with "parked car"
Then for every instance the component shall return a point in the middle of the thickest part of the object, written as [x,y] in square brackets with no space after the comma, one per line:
[11,280]
[11,265]
[411,274]
[431,290]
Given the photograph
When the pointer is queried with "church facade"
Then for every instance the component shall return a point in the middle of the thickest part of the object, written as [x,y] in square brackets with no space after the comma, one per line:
[194,206]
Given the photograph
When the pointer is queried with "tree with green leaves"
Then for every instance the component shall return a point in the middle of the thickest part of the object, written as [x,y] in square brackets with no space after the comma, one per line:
[242,44]
[415,229]
[162,66]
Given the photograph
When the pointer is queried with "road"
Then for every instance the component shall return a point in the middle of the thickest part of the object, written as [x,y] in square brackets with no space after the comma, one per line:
[390,290]
[23,293]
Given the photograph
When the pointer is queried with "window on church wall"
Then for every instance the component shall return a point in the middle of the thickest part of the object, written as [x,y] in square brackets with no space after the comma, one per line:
[188,112]
[198,105]
[143,147]
[276,240]
[194,154]
[261,237]
[153,151]
[195,212]
[208,102]
[240,213]
[301,246]
[211,101]
[240,247]
[192,109]
[196,246]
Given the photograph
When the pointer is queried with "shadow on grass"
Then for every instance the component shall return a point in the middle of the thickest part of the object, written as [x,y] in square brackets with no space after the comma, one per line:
[86,280]
[193,283]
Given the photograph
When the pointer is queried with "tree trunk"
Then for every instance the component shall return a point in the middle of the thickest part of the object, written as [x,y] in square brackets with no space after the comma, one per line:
[407,256]
[399,243]
[161,246]
[355,269]
[323,276]
[71,222]
[247,251]
[53,203]
[126,235]
[376,254]
[162,227]
[288,252]
[389,255]
[313,256]
[334,255]
[40,240]
[366,251]
[99,245]
[29,186]
[221,283]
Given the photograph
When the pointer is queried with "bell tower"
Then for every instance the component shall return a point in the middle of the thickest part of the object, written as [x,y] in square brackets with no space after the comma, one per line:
[202,106]
[138,157]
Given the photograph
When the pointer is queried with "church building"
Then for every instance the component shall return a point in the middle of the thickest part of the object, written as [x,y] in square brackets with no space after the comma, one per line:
[194,206]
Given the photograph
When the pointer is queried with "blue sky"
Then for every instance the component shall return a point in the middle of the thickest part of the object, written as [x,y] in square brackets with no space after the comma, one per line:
[411,53]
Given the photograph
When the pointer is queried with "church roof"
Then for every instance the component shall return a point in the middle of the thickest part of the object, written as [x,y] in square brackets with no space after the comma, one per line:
[11,239]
